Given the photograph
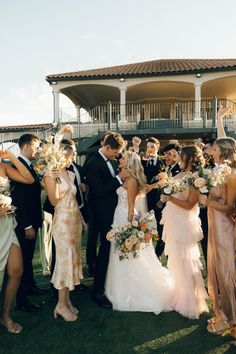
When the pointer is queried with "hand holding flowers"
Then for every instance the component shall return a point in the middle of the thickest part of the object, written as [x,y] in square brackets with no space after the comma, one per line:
[161,180]
[170,186]
[67,129]
[5,198]
[50,156]
[203,200]
[204,179]
[129,239]
[4,209]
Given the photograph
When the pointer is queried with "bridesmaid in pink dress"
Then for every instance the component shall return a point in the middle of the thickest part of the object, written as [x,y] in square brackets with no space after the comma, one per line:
[221,244]
[181,234]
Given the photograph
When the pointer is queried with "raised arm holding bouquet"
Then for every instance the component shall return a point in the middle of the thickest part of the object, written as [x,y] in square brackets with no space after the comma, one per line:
[67,222]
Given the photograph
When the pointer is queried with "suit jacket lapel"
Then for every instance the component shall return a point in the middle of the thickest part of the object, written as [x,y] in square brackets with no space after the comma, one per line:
[32,171]
[103,162]
[175,170]
[114,164]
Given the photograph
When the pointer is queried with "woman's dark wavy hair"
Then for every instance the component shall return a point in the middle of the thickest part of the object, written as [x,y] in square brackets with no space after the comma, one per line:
[192,154]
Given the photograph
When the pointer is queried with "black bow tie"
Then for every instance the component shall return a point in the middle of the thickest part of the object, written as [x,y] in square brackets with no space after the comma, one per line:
[70,168]
[151,162]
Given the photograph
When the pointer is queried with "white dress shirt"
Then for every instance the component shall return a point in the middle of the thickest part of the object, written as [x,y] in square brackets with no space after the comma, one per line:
[78,178]
[109,165]
[29,164]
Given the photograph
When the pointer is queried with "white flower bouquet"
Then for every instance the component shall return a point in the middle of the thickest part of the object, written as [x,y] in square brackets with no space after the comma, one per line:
[130,238]
[205,178]
[171,186]
[50,156]
[5,191]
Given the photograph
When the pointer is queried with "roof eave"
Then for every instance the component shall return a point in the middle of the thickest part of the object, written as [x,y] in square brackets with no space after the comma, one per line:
[50,78]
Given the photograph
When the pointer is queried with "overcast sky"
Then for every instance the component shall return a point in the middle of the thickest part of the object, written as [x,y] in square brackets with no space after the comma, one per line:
[41,37]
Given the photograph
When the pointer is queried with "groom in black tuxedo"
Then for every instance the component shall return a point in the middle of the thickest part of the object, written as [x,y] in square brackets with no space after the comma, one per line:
[103,179]
[26,197]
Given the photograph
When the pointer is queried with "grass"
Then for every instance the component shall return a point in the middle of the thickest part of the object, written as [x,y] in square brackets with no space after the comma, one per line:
[100,331]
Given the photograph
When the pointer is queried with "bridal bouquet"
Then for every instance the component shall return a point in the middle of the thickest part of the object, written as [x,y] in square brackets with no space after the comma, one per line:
[50,156]
[130,238]
[5,191]
[205,178]
[168,187]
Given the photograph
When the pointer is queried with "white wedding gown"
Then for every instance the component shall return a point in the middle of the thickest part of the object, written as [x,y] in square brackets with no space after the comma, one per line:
[139,284]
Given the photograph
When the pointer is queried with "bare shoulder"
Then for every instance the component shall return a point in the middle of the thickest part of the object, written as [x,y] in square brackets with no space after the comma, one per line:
[131,183]
[232,180]
[48,177]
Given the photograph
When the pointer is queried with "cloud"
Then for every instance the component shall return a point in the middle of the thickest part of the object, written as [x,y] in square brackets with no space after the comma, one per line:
[33,104]
[27,105]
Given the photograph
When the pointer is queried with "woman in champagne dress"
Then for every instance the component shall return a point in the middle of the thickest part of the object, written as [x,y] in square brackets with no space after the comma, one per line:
[10,253]
[221,243]
[66,231]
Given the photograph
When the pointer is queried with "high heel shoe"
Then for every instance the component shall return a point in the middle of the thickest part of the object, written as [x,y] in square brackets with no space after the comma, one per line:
[220,326]
[66,315]
[230,332]
[72,308]
[11,326]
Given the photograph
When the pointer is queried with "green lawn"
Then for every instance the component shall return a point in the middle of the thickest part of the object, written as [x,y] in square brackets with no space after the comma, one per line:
[101,331]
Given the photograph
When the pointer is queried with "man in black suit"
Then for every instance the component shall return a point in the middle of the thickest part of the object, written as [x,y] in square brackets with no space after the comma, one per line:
[103,179]
[26,197]
[93,233]
[152,167]
[171,158]
[208,155]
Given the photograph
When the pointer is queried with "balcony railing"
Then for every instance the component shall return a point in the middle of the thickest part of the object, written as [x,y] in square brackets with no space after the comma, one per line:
[147,116]
[167,115]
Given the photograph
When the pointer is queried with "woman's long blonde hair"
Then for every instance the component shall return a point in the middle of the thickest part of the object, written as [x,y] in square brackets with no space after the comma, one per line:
[134,166]
[227,147]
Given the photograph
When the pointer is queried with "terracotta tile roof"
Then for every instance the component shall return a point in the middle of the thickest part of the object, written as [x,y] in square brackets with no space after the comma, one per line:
[149,68]
[25,127]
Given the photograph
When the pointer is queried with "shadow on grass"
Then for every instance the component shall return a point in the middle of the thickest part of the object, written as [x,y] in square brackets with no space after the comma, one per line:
[100,331]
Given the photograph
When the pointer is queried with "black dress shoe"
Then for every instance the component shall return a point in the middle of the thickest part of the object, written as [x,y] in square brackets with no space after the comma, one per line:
[89,271]
[81,287]
[54,292]
[102,301]
[35,290]
[28,307]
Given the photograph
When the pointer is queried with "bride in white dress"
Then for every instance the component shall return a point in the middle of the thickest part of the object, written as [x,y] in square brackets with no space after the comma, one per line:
[139,284]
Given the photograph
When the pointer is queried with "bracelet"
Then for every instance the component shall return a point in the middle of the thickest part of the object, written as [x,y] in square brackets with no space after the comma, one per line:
[57,180]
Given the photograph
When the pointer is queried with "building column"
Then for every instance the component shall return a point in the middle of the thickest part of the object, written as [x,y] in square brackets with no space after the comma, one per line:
[123,104]
[197,113]
[78,132]
[56,106]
